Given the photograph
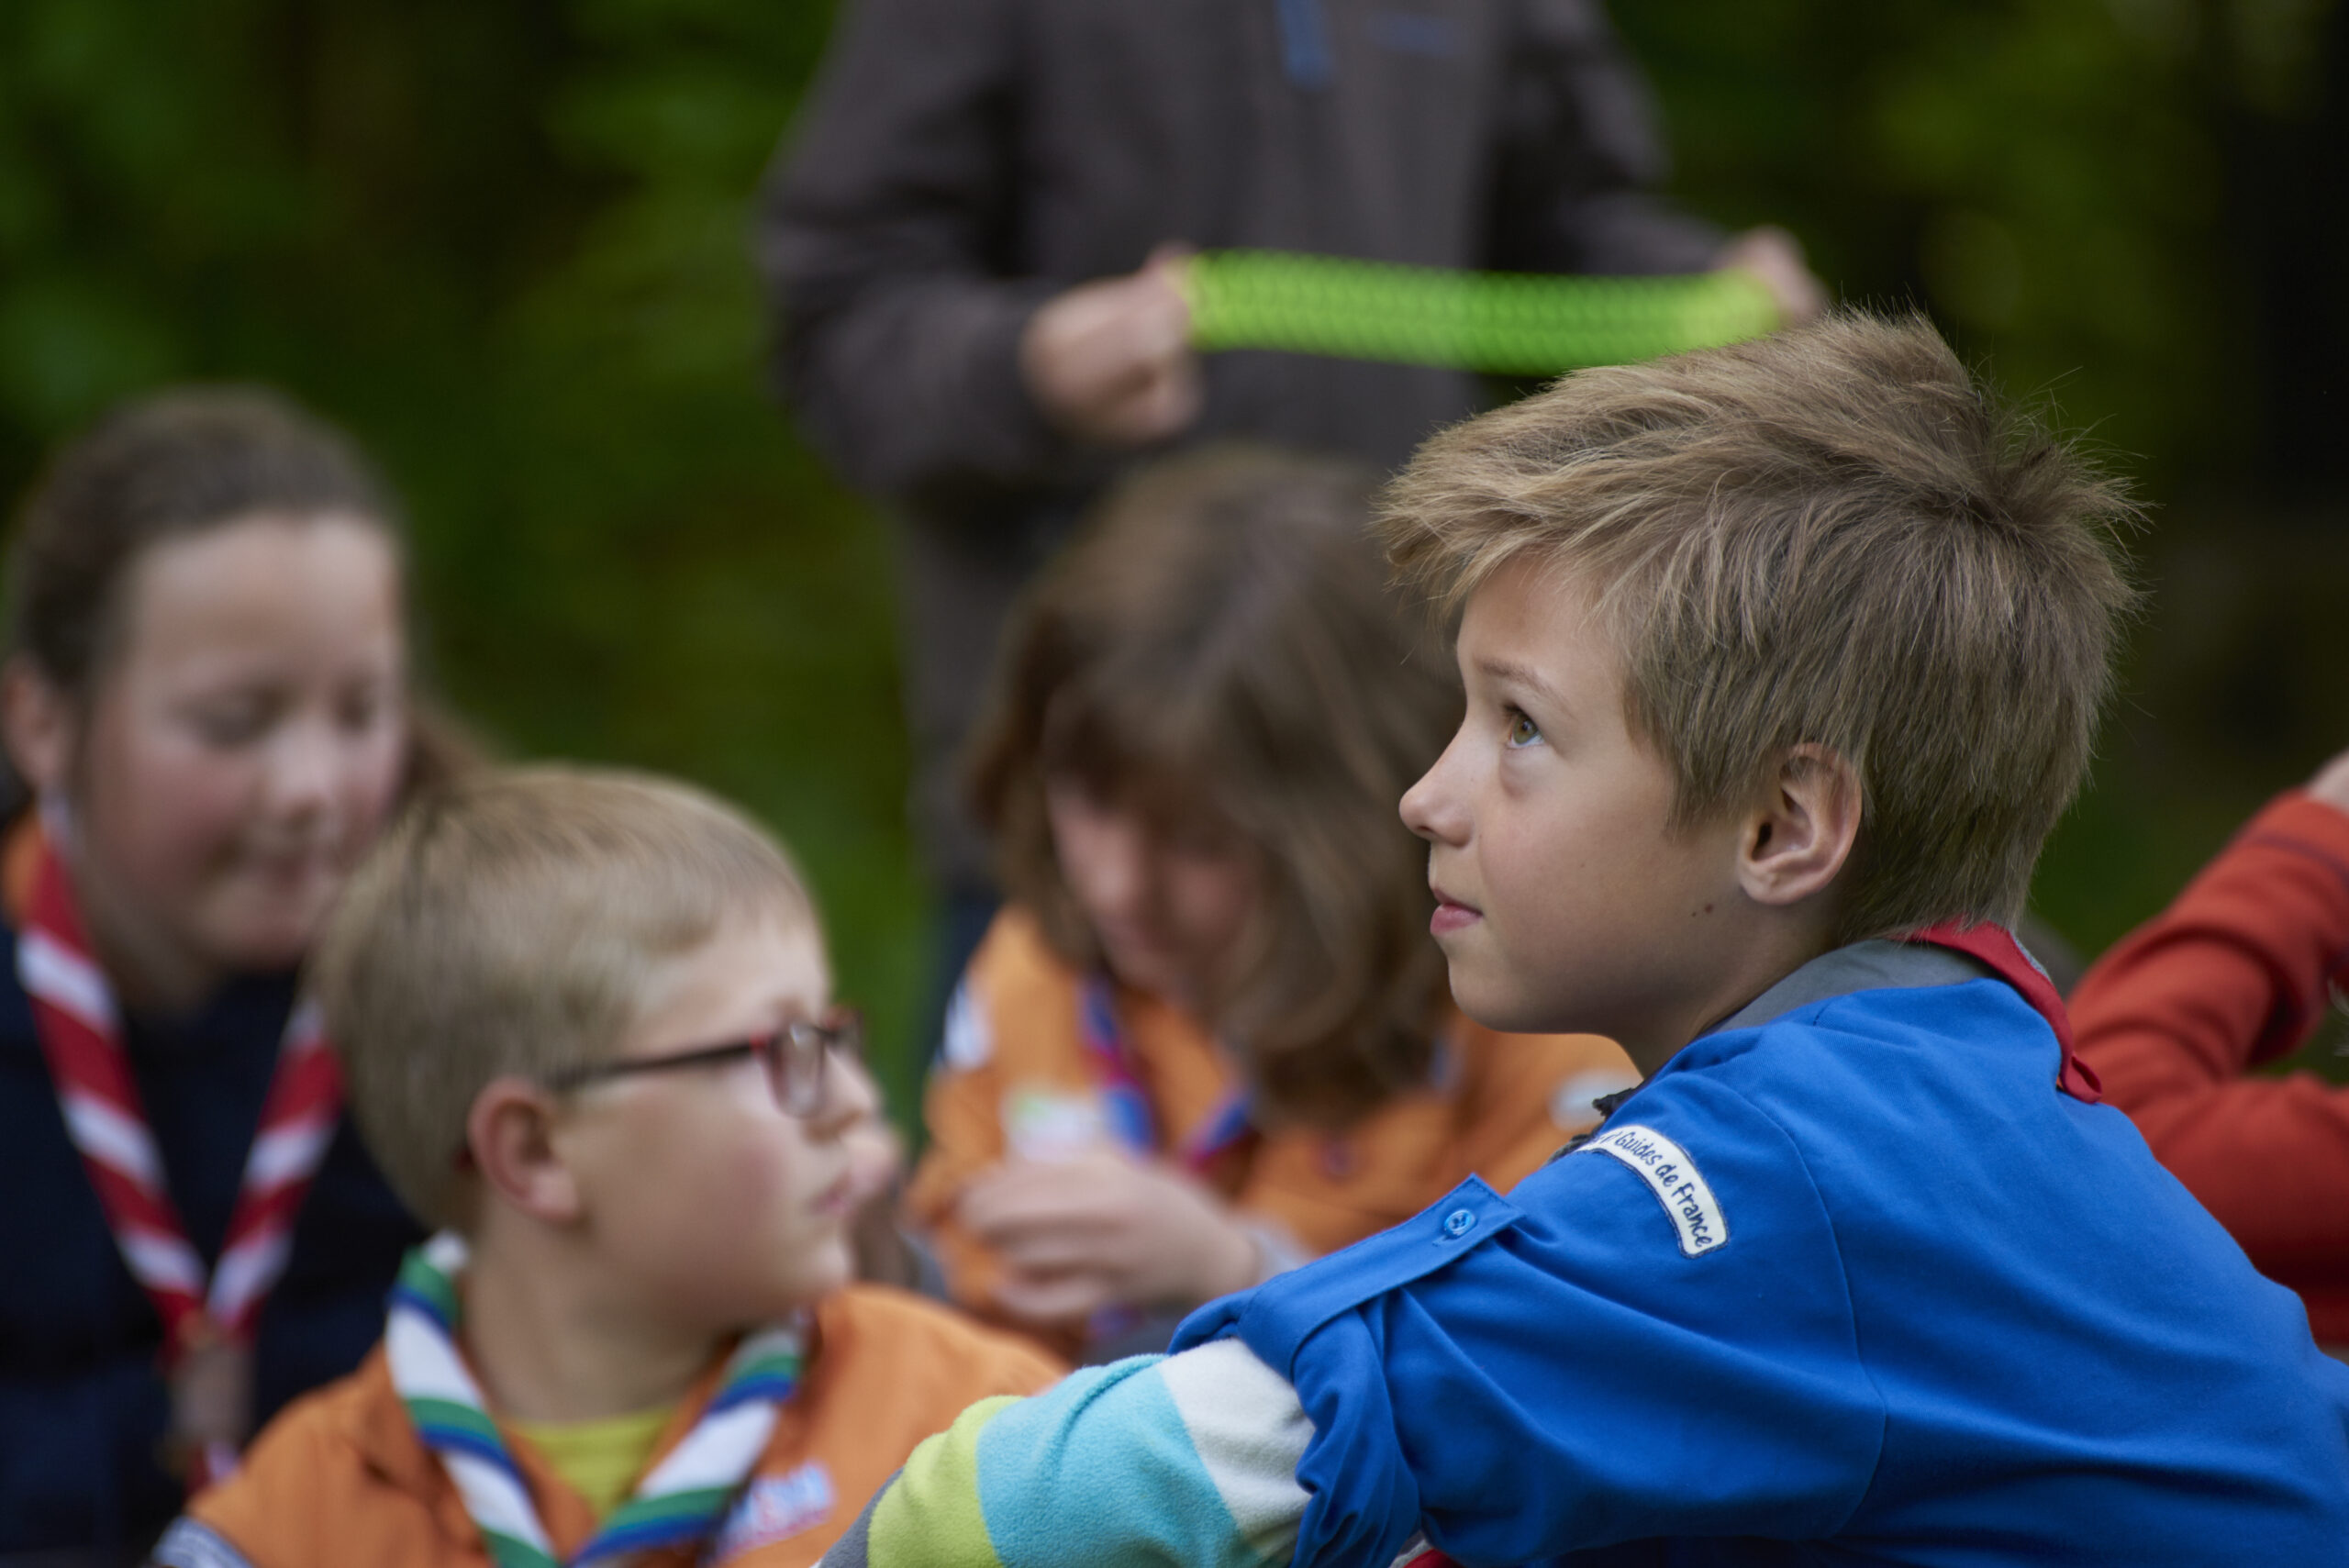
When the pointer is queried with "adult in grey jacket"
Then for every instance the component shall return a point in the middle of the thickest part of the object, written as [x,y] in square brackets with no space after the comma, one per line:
[959,242]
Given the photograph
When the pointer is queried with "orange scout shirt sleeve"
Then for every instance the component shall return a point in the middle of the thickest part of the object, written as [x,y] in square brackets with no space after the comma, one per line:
[2231,974]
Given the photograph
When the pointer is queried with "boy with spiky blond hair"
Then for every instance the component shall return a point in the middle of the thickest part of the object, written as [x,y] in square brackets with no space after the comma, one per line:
[1781,660]
[587,1023]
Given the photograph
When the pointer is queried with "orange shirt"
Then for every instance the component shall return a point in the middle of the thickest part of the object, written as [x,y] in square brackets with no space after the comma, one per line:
[1016,1061]
[342,1478]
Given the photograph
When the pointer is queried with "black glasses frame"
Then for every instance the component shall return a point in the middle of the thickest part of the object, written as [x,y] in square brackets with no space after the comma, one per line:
[793,1057]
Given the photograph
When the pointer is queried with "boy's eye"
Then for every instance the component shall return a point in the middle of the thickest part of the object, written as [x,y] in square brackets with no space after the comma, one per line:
[1522,731]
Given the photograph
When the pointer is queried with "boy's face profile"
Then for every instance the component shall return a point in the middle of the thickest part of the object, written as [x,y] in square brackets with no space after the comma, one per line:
[711,1205]
[1566,902]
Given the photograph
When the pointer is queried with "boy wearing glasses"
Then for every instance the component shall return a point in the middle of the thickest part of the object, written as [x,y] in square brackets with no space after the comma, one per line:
[587,1023]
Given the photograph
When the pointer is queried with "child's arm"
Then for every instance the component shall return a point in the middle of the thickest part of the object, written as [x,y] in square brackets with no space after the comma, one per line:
[2231,974]
[1513,1386]
[1184,1462]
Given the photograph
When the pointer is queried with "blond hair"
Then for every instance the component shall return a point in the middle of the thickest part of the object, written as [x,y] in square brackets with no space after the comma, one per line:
[511,923]
[1833,535]
[1224,642]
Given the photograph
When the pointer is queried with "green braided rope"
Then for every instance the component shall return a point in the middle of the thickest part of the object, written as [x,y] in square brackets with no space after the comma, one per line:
[1508,323]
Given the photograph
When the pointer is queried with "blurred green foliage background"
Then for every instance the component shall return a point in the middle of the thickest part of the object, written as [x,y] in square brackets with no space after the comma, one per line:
[506,244]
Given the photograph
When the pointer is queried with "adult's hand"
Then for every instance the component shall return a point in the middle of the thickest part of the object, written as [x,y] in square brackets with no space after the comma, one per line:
[1776,256]
[1105,1230]
[1110,361]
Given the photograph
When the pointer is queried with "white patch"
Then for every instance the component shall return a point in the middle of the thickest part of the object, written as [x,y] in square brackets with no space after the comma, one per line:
[1675,1180]
[969,1040]
[1046,1124]
[1570,1103]
[774,1508]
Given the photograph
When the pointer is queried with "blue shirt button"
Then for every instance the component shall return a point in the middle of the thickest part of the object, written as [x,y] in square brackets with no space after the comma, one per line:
[1459,1222]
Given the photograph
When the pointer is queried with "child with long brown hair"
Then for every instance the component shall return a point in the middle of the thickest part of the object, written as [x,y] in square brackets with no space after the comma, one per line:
[1209,1036]
[207,707]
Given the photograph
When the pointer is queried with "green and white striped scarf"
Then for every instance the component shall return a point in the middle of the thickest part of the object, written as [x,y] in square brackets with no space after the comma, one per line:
[680,1499]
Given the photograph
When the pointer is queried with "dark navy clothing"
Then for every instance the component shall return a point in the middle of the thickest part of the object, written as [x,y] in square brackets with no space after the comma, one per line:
[1853,1285]
[82,1405]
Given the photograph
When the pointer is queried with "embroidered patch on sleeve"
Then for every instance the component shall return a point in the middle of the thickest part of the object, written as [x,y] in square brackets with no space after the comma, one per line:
[772,1509]
[1675,1180]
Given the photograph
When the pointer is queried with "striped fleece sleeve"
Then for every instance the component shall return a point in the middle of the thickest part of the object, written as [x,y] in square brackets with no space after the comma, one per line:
[1180,1461]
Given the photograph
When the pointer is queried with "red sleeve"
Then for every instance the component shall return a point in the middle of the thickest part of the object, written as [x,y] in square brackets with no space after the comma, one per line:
[2231,974]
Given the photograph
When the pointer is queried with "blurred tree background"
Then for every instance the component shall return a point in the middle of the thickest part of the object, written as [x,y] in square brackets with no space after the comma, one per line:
[505,244]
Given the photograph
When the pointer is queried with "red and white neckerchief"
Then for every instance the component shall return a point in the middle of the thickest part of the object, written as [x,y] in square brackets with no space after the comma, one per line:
[81,1036]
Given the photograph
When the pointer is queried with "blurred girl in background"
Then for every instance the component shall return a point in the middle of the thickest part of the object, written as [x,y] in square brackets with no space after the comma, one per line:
[206,703]
[1208,1037]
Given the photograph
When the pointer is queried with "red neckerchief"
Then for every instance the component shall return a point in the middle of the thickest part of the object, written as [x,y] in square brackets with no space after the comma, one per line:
[81,1037]
[1996,946]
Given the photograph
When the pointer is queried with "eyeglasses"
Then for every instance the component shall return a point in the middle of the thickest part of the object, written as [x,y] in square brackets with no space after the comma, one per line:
[794,1056]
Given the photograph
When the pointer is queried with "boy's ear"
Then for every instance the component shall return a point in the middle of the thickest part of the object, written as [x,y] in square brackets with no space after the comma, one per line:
[37,723]
[1800,835]
[510,1133]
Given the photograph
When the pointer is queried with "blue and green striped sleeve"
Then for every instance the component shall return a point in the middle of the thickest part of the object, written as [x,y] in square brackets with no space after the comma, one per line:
[1178,1461]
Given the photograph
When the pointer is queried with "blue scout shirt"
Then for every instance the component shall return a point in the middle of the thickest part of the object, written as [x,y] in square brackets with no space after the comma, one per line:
[1848,1270]
[1848,1280]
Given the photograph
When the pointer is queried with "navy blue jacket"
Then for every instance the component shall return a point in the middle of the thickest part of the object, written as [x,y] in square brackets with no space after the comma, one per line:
[82,1405]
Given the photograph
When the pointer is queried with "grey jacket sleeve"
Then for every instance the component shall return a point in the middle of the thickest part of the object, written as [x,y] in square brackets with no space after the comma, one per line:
[1581,156]
[885,239]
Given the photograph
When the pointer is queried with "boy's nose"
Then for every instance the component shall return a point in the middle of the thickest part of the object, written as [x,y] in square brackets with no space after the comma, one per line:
[850,1095]
[1432,808]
